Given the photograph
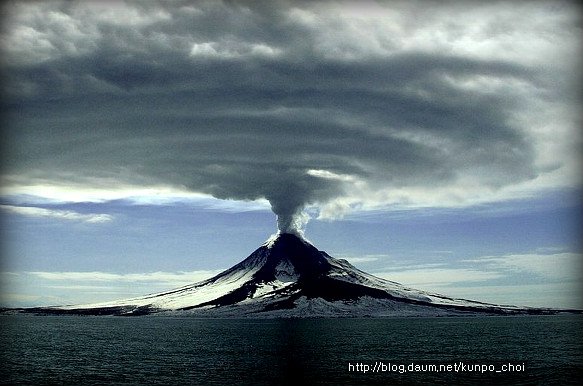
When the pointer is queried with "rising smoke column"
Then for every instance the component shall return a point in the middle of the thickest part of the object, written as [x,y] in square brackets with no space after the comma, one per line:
[289,198]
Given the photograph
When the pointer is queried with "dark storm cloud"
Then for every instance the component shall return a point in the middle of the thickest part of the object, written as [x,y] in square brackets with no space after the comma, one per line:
[256,100]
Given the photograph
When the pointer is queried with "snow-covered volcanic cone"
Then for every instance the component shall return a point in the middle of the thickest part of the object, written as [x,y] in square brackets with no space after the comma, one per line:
[288,276]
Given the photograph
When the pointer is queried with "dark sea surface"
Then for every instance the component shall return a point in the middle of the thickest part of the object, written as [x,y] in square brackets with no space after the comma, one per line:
[77,350]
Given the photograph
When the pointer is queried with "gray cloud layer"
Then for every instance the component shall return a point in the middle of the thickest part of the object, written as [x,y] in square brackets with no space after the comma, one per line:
[298,103]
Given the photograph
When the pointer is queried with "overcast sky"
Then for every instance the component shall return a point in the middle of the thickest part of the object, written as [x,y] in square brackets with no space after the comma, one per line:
[149,144]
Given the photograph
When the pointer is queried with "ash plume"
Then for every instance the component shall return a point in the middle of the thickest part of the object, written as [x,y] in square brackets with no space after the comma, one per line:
[298,103]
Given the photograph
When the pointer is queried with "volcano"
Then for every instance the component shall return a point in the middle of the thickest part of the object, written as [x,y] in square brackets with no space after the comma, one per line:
[288,277]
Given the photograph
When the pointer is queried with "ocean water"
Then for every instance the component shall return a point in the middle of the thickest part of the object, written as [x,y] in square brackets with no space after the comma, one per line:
[77,350]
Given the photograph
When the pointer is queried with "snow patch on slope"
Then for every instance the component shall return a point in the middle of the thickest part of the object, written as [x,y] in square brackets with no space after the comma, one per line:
[344,271]
[266,290]
[285,272]
[187,296]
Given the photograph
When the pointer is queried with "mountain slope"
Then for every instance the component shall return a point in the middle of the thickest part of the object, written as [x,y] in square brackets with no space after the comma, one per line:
[288,276]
